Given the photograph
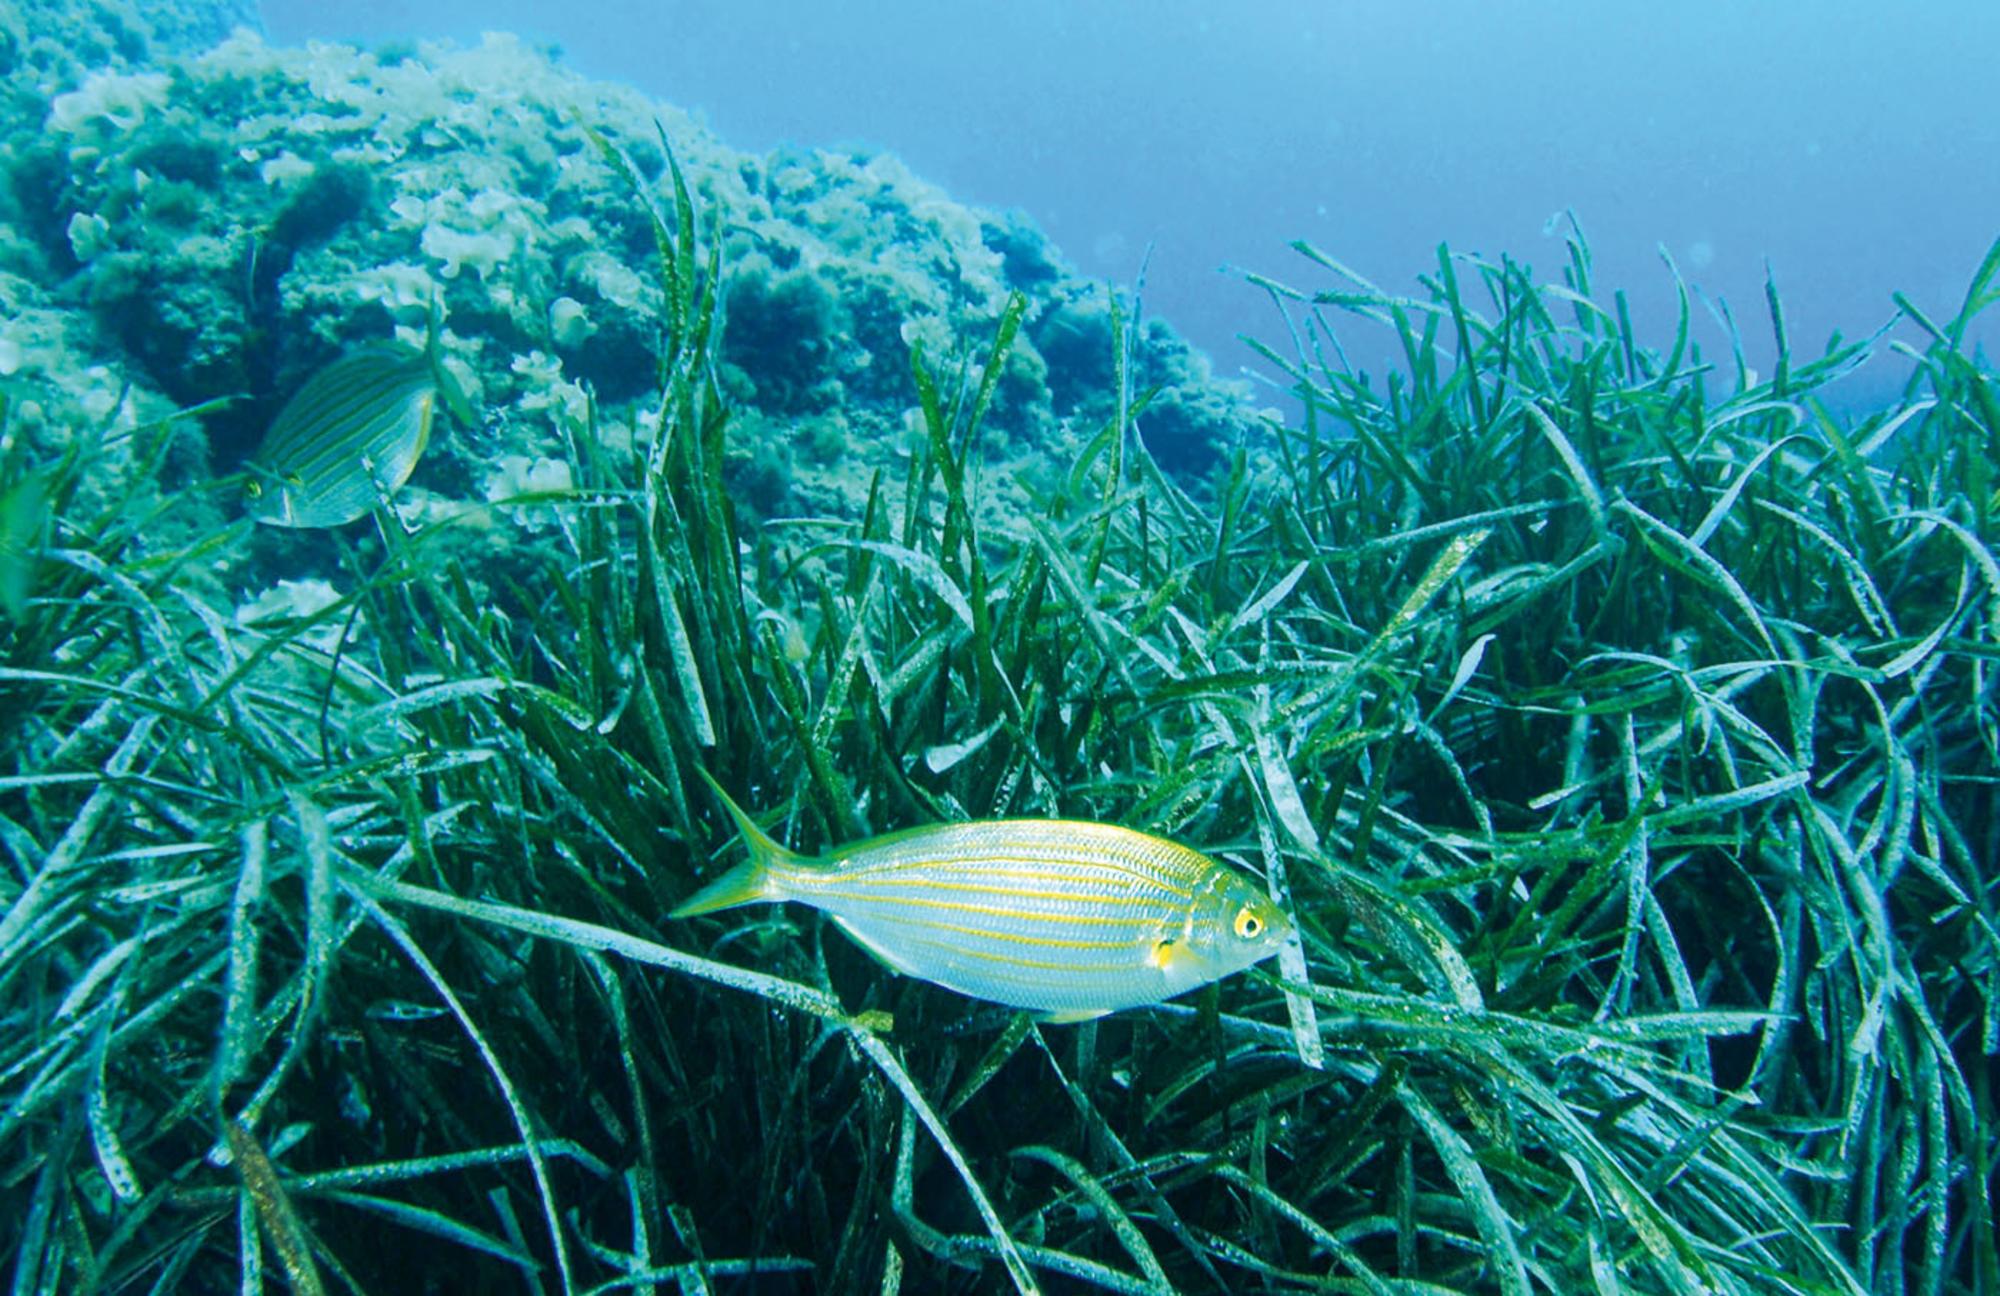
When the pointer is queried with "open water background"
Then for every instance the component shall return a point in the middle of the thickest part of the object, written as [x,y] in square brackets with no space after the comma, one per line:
[1854,147]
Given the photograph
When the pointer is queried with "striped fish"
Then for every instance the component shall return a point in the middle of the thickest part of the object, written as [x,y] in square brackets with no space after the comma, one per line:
[347,439]
[1062,917]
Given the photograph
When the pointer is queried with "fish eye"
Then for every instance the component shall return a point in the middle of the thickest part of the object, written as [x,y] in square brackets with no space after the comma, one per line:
[1248,925]
[253,488]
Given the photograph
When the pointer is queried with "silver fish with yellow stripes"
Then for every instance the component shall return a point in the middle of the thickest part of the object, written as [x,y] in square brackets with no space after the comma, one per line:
[350,437]
[1063,917]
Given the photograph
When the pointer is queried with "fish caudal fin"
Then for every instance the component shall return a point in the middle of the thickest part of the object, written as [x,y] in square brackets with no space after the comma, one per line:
[754,879]
[747,883]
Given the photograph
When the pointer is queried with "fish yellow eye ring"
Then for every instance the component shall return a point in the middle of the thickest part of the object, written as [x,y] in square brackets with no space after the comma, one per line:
[1248,925]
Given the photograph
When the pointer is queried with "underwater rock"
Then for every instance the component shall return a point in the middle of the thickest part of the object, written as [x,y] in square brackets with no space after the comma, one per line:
[783,330]
[1074,338]
[47,42]
[225,220]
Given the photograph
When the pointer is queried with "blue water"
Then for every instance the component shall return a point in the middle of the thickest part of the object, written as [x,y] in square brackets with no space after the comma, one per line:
[1853,147]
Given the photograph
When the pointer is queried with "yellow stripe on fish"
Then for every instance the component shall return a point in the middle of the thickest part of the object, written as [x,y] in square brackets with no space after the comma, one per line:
[1059,916]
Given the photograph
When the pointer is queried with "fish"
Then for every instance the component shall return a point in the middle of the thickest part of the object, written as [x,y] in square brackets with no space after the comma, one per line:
[350,437]
[1066,918]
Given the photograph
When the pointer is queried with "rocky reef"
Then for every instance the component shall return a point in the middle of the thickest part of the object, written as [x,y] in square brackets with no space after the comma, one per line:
[45,43]
[188,220]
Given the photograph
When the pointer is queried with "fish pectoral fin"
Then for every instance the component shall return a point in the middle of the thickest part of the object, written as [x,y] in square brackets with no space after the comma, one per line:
[1070,1016]
[876,951]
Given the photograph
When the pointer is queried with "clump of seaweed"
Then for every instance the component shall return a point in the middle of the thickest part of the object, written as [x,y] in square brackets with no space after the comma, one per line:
[1624,749]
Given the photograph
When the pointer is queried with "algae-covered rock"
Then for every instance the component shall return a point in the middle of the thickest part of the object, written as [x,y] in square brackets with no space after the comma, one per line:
[50,47]
[225,220]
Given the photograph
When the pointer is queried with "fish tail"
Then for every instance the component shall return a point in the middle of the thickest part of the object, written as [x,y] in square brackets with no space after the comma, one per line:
[757,878]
